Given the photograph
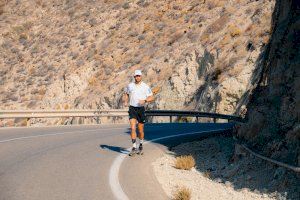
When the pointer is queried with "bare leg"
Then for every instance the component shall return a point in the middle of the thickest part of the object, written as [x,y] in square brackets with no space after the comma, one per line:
[133,137]
[133,128]
[141,131]
[141,136]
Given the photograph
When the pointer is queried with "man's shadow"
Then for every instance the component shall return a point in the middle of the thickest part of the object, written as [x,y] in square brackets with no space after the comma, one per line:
[121,150]
[114,148]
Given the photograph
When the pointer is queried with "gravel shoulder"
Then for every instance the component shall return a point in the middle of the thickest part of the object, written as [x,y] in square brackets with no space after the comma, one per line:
[223,171]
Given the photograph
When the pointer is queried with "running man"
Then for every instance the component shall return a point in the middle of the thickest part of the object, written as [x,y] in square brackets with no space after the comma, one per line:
[139,94]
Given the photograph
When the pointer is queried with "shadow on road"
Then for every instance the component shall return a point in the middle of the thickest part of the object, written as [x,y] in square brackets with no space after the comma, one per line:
[121,150]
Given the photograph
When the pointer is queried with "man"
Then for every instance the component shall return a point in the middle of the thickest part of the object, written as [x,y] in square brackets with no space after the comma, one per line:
[139,93]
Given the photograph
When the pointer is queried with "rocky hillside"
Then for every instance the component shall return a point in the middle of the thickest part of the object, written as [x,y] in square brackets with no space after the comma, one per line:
[202,55]
[274,108]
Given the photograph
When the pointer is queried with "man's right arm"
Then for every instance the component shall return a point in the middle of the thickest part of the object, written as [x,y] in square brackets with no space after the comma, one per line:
[125,99]
[126,96]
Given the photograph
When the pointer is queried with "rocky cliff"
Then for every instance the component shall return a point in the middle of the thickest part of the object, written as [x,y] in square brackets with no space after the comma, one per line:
[274,107]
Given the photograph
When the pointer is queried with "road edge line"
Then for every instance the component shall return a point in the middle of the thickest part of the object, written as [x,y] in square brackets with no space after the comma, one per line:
[114,182]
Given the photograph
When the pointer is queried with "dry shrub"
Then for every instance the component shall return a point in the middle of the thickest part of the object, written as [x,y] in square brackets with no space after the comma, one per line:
[66,106]
[31,71]
[39,2]
[24,122]
[185,162]
[266,39]
[42,92]
[211,4]
[147,27]
[234,31]
[204,38]
[156,90]
[58,107]
[226,40]
[182,193]
[92,81]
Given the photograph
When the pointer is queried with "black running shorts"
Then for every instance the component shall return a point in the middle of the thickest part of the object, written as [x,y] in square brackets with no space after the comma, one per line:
[137,113]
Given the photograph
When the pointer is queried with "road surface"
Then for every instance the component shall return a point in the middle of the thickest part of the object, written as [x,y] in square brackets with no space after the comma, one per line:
[86,162]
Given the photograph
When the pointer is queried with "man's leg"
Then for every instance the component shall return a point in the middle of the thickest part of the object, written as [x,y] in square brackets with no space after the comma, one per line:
[133,131]
[133,136]
[141,136]
[141,131]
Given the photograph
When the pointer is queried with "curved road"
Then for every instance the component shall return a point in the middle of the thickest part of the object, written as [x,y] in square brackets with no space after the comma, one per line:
[86,162]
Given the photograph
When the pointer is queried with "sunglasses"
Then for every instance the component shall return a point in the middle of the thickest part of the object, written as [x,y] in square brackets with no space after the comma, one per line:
[137,76]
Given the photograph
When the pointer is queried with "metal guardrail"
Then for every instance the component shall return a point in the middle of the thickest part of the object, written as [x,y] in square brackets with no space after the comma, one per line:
[10,114]
[197,114]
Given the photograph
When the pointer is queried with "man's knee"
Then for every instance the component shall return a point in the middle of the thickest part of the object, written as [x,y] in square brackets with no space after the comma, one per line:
[133,128]
[141,127]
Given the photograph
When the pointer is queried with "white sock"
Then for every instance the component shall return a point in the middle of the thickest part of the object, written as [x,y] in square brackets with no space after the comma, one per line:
[134,145]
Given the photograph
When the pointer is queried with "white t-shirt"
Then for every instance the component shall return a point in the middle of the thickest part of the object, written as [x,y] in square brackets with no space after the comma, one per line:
[138,92]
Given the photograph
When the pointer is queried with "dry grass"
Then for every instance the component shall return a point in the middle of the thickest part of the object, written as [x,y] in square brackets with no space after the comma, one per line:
[156,90]
[58,107]
[211,4]
[92,81]
[185,162]
[42,92]
[234,31]
[31,71]
[226,40]
[182,193]
[66,106]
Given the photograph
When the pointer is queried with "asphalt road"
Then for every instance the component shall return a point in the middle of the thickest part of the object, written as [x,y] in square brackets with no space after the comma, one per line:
[86,162]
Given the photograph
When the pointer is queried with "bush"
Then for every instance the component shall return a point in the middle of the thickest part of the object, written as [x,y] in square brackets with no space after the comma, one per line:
[185,162]
[92,81]
[182,193]
[234,31]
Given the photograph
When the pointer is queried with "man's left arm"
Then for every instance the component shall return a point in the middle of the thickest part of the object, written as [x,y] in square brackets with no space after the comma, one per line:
[149,97]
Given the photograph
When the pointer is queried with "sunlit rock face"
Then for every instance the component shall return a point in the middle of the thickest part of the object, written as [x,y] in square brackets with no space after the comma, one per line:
[202,55]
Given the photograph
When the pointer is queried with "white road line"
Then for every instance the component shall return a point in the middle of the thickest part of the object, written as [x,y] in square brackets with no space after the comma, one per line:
[62,133]
[53,134]
[58,126]
[115,167]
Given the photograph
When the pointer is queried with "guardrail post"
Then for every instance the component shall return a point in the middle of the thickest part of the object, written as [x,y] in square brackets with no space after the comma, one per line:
[146,118]
[27,121]
[170,119]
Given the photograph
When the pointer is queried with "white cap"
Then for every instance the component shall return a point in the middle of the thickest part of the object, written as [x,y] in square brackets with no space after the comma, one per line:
[137,72]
